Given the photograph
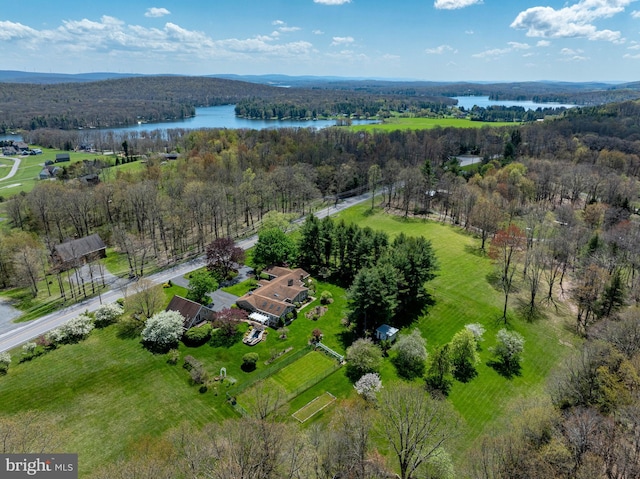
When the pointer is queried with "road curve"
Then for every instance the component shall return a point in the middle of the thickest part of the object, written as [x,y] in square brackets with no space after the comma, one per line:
[23,332]
[14,168]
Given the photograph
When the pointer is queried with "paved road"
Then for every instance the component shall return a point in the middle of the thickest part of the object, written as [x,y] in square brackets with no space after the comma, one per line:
[14,168]
[23,332]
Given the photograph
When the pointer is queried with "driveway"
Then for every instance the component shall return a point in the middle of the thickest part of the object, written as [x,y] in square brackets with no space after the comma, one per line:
[222,300]
[14,168]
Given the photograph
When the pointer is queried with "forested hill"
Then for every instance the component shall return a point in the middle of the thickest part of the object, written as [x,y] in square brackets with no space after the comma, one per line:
[116,102]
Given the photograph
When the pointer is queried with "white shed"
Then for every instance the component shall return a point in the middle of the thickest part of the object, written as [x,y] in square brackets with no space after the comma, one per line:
[386,332]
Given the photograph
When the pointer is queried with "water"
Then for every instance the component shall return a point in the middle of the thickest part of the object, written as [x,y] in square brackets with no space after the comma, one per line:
[468,103]
[218,117]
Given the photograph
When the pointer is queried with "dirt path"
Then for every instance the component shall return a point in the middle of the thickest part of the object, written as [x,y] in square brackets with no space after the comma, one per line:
[14,168]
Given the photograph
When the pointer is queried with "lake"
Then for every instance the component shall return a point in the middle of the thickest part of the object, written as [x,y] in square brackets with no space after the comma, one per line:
[468,103]
[219,117]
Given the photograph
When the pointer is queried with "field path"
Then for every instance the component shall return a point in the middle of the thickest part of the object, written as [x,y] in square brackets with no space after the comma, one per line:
[14,168]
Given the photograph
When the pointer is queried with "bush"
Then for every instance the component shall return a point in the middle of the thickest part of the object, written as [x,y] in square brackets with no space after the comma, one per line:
[5,361]
[363,357]
[411,354]
[249,361]
[107,314]
[190,362]
[173,356]
[197,336]
[326,298]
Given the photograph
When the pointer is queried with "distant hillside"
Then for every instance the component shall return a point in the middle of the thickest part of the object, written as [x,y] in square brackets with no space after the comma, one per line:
[13,76]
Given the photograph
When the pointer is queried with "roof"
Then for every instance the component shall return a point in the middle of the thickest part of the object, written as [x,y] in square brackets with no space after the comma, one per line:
[387,330]
[275,297]
[78,248]
[189,309]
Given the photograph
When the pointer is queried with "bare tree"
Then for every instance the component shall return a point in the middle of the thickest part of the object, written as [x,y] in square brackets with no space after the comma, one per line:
[144,297]
[415,425]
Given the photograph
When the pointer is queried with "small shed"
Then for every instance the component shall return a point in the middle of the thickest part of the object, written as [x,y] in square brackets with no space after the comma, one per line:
[386,332]
[62,157]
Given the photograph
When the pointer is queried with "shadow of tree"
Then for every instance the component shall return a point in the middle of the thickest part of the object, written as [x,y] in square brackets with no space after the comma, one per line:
[129,328]
[465,374]
[507,371]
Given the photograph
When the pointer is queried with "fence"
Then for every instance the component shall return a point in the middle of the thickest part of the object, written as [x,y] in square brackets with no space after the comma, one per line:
[330,351]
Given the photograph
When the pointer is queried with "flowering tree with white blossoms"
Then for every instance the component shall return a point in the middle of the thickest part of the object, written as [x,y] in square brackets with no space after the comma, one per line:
[368,385]
[163,330]
[72,331]
[107,314]
[477,329]
[5,361]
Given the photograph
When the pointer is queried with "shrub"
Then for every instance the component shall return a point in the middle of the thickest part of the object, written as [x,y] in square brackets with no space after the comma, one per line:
[316,336]
[249,361]
[5,361]
[173,356]
[190,362]
[411,354]
[326,297]
[107,314]
[197,336]
[29,348]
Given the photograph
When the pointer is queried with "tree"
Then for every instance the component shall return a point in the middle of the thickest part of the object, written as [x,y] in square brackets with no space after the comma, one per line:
[439,372]
[249,361]
[486,215]
[73,331]
[368,386]
[163,330]
[146,298]
[477,329]
[107,314]
[505,248]
[200,284]
[5,362]
[374,177]
[415,425]
[273,248]
[464,355]
[509,346]
[363,357]
[223,256]
[411,355]
[415,262]
[373,296]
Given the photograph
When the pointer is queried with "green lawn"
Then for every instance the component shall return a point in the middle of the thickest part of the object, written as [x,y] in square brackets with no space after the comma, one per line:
[242,288]
[30,166]
[396,123]
[462,295]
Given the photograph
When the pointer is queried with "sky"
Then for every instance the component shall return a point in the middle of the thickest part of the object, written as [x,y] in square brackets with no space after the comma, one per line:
[432,40]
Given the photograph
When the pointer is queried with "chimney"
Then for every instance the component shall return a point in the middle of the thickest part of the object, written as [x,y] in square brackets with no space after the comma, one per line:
[290,282]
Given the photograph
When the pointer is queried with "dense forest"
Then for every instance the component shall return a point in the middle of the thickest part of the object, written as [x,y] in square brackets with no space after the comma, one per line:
[570,186]
[126,101]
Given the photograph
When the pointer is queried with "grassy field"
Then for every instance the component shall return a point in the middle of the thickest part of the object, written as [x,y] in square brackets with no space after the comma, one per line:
[463,294]
[396,123]
[313,407]
[242,288]
[30,166]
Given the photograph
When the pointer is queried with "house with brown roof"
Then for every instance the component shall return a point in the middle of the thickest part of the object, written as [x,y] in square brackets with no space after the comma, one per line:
[79,251]
[192,312]
[276,297]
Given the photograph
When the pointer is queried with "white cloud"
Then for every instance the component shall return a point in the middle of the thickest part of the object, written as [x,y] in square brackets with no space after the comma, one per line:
[469,32]
[519,46]
[155,12]
[332,2]
[572,21]
[341,41]
[543,43]
[635,14]
[318,32]
[495,52]
[569,51]
[632,57]
[111,35]
[454,4]
[439,50]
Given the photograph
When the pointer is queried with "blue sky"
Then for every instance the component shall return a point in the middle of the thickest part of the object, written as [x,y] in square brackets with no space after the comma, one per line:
[439,40]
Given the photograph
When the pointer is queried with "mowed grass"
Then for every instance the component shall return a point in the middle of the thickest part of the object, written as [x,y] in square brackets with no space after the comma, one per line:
[105,395]
[463,294]
[314,406]
[395,123]
[30,166]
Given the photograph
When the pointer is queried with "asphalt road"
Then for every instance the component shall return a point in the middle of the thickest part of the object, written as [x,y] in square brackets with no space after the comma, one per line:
[23,332]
